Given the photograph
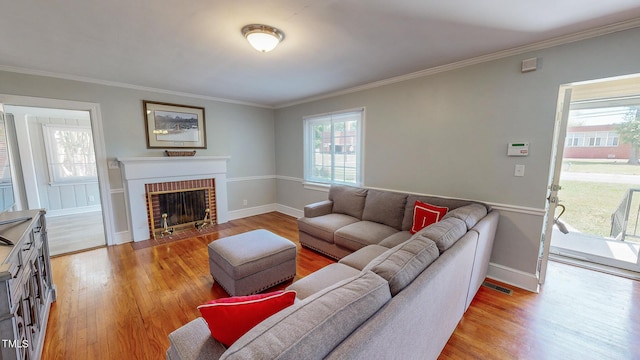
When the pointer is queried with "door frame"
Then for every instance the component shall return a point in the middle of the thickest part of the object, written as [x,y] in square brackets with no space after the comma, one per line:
[579,89]
[98,143]
[559,135]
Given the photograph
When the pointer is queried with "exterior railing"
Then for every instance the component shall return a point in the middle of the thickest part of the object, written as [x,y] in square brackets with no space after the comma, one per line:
[620,226]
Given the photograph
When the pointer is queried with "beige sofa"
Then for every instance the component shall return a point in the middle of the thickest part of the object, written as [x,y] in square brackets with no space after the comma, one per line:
[397,302]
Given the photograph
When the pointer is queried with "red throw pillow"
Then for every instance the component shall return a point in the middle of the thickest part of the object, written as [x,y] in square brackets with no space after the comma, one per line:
[426,214]
[230,318]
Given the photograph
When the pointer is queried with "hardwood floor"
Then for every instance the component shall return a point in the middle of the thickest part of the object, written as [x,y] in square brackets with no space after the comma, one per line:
[579,314]
[121,302]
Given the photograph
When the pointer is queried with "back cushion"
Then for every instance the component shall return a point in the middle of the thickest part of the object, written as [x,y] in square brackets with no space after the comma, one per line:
[403,263]
[444,233]
[434,200]
[385,208]
[313,327]
[348,200]
[470,214]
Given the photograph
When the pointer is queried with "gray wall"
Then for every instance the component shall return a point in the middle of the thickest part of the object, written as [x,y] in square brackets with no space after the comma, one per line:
[243,132]
[447,134]
[444,134]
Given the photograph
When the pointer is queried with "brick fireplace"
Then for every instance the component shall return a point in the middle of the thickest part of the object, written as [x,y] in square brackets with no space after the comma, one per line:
[180,205]
[145,177]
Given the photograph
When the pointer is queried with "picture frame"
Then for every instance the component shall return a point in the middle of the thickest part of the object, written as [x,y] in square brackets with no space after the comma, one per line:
[173,126]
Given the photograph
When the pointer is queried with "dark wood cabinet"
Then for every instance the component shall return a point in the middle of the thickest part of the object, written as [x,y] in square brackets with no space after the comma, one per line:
[26,287]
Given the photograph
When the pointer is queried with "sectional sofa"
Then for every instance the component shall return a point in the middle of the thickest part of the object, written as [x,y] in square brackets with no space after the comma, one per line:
[389,298]
[353,218]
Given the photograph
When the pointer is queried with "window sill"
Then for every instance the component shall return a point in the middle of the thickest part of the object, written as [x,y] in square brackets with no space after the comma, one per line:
[316,186]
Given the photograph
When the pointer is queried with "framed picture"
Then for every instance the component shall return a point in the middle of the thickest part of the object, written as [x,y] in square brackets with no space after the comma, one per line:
[174,126]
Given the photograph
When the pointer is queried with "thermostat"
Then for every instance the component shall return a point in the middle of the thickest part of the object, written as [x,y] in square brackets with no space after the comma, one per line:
[518,149]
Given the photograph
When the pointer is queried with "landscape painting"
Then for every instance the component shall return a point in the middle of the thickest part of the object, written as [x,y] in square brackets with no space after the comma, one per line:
[174,126]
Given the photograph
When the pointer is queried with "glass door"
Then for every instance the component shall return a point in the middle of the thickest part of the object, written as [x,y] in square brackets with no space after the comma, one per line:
[598,214]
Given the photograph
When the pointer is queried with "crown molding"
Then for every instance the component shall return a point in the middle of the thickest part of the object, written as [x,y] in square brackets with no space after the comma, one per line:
[20,70]
[561,40]
[545,44]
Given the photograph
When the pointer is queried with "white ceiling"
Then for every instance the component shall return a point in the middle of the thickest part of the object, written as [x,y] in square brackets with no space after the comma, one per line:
[196,47]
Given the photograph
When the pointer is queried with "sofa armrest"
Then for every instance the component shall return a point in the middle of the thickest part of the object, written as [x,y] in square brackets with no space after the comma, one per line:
[193,341]
[318,209]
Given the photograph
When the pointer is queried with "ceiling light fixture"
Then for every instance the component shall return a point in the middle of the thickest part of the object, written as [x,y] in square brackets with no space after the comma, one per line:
[263,38]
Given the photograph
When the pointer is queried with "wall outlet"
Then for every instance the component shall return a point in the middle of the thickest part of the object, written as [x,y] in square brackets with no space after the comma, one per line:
[92,198]
[519,171]
[244,202]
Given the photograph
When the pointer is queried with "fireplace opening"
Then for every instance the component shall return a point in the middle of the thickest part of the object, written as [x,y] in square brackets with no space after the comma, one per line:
[181,205]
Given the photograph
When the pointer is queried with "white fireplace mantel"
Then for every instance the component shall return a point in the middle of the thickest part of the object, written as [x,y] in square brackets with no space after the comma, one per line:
[139,171]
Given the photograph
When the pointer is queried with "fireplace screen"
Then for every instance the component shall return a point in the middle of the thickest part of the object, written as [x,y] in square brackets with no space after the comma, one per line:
[173,206]
[183,207]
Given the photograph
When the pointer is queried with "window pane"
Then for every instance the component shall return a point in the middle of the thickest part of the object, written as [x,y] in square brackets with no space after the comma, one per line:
[70,153]
[332,148]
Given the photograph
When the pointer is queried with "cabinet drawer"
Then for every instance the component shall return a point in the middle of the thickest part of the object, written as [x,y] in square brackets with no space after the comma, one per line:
[29,246]
[16,286]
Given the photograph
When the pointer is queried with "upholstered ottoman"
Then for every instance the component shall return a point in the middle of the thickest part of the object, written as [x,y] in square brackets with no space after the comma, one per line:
[250,262]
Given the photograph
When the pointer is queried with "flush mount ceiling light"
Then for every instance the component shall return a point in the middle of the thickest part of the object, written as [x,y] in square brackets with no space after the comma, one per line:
[263,38]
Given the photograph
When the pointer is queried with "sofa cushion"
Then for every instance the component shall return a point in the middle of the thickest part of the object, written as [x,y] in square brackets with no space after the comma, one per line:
[324,227]
[385,208]
[230,318]
[425,214]
[434,200]
[348,200]
[395,239]
[359,259]
[361,234]
[193,341]
[470,214]
[311,328]
[322,279]
[403,263]
[444,233]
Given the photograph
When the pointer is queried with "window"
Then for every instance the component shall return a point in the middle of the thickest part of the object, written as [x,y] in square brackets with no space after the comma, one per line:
[593,139]
[70,154]
[574,139]
[333,147]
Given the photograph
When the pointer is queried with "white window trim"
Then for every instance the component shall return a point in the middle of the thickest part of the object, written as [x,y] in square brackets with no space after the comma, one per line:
[324,186]
[584,139]
[47,129]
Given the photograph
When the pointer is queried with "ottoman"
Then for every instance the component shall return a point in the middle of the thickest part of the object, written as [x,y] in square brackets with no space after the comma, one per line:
[251,262]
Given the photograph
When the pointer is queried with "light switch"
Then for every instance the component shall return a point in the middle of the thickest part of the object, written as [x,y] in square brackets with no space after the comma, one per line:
[113,164]
[519,170]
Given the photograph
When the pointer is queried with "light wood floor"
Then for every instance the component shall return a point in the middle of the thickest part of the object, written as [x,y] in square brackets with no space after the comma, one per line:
[70,233]
[121,303]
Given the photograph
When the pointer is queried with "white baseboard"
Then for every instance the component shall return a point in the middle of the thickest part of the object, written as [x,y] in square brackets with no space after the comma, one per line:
[122,237]
[252,211]
[513,277]
[287,210]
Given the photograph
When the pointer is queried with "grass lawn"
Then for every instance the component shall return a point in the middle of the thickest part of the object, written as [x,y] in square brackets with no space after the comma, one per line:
[590,205]
[600,166]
